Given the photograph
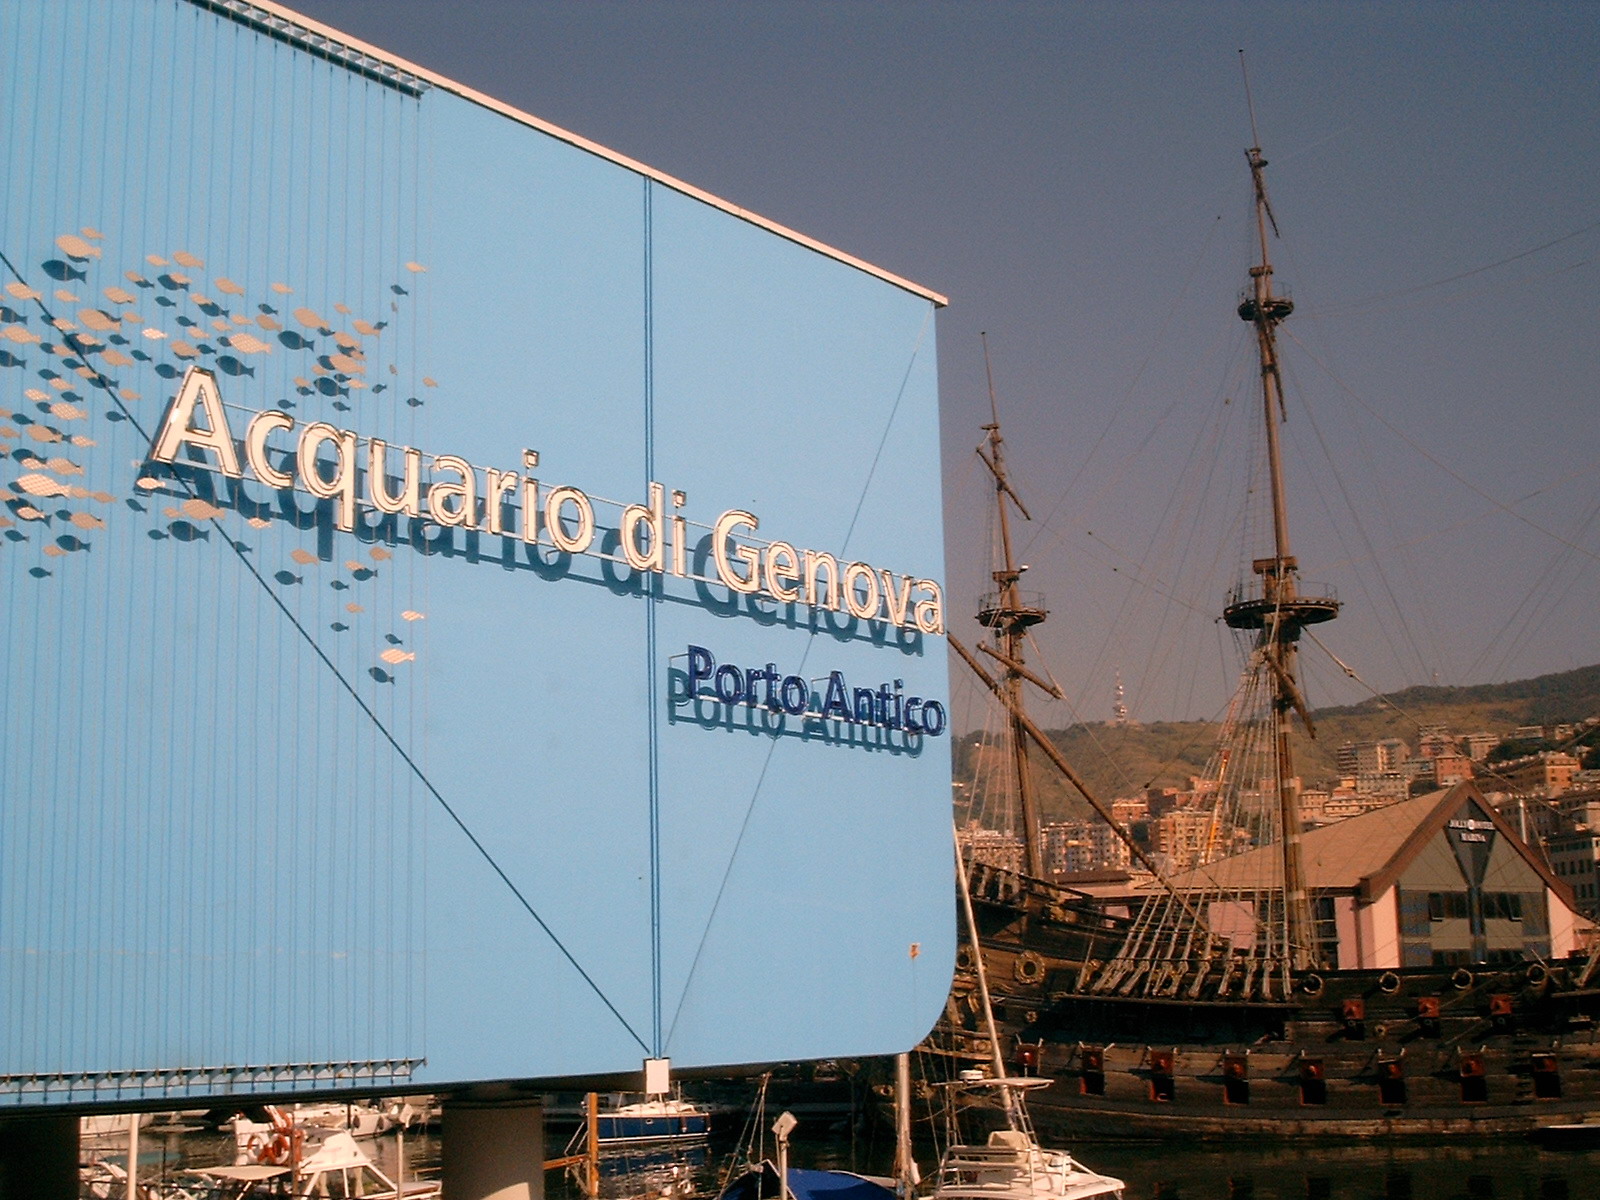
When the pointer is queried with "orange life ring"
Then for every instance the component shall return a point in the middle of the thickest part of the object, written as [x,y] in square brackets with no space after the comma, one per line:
[279,1150]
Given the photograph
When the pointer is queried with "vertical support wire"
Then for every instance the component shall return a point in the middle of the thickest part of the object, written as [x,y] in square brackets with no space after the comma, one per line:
[653,583]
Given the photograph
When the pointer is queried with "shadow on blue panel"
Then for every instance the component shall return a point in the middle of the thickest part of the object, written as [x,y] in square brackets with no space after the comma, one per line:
[196,480]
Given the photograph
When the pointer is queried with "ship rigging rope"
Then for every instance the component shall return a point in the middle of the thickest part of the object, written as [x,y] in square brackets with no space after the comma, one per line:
[1156,339]
[1500,505]
[1370,550]
[772,744]
[1367,303]
[1350,671]
[1483,769]
[1538,589]
[108,386]
[1197,482]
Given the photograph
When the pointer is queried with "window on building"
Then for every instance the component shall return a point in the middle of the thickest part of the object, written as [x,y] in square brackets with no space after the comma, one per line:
[1502,906]
[1327,929]
[1447,906]
[1414,918]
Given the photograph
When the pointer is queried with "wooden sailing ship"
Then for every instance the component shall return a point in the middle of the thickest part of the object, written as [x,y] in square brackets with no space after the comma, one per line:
[1411,971]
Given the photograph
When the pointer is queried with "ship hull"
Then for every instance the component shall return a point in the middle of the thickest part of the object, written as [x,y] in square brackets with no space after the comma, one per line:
[1435,1052]
[1197,1103]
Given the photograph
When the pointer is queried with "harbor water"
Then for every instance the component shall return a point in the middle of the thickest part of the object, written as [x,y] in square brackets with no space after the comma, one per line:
[1511,1170]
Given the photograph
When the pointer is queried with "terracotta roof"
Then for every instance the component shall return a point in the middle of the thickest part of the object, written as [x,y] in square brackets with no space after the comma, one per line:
[1366,853]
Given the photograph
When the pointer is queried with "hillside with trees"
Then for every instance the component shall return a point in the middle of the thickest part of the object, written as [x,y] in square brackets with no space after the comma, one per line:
[1125,760]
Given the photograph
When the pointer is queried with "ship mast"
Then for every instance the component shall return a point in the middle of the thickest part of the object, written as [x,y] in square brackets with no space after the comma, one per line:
[1277,611]
[1011,615]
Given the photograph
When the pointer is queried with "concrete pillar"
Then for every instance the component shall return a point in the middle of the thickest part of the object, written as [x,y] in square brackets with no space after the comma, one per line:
[493,1151]
[39,1158]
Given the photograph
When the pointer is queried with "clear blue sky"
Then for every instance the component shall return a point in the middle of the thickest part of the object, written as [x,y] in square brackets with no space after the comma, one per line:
[1072,176]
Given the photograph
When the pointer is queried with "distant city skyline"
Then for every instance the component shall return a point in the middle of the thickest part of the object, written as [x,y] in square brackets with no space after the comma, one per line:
[1072,176]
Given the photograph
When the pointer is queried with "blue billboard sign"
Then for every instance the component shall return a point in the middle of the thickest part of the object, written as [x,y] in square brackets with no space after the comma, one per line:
[472,604]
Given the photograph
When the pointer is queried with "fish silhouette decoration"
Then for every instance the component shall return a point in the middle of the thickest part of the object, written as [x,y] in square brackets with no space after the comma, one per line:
[187,531]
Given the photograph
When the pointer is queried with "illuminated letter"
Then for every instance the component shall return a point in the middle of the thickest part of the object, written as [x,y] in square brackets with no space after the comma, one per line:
[865,608]
[495,485]
[813,561]
[866,706]
[408,501]
[933,720]
[198,384]
[530,498]
[576,543]
[701,664]
[834,701]
[899,601]
[343,481]
[680,537]
[255,447]
[734,678]
[530,510]
[796,695]
[721,532]
[783,564]
[930,612]
[680,546]
[635,515]
[464,493]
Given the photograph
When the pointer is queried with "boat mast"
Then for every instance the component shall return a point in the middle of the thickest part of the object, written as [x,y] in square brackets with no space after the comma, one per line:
[1010,616]
[996,1058]
[1278,612]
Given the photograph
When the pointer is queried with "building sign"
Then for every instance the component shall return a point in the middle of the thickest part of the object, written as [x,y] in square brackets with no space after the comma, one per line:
[1468,829]
[446,566]
[886,707]
[355,473]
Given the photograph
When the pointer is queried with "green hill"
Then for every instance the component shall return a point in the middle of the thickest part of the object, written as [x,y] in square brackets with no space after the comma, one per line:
[1124,760]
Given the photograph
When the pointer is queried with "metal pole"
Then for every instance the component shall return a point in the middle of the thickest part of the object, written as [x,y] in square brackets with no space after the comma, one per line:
[591,1116]
[133,1156]
[782,1128]
[1013,1117]
[905,1166]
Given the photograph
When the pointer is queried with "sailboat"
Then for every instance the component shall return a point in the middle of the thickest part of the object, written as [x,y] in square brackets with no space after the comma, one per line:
[1010,1164]
[1415,970]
